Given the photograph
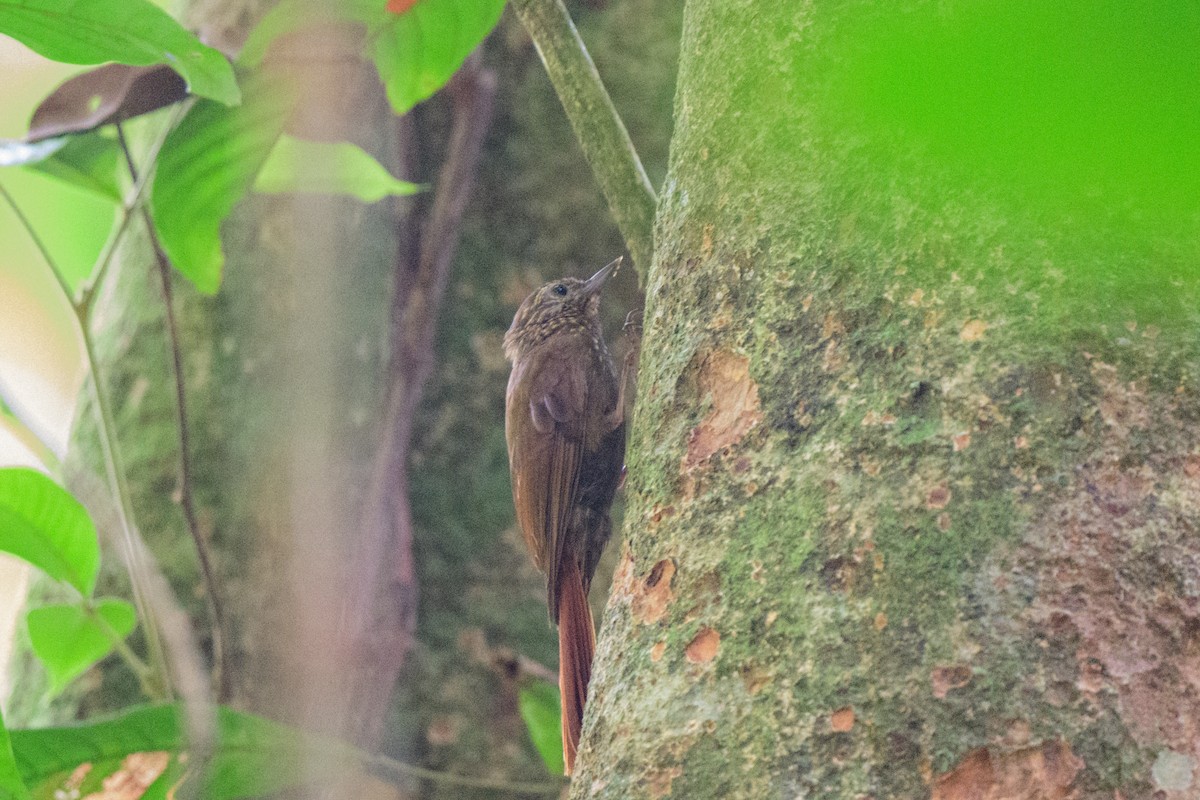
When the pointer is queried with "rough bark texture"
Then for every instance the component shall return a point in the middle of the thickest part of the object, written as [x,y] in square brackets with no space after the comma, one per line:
[906,518]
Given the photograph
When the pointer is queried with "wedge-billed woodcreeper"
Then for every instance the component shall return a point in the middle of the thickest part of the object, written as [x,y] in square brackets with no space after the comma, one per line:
[564,422]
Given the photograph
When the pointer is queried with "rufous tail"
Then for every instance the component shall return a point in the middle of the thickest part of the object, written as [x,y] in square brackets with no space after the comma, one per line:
[576,644]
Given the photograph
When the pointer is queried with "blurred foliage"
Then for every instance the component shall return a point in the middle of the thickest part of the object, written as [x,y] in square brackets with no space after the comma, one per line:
[1079,122]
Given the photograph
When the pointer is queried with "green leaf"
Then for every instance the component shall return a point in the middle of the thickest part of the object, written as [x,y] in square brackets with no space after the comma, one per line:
[43,524]
[253,756]
[205,167]
[541,709]
[68,640]
[418,51]
[296,165]
[88,161]
[126,31]
[11,785]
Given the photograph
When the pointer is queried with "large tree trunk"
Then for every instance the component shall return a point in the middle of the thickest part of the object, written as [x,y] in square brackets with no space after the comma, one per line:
[900,525]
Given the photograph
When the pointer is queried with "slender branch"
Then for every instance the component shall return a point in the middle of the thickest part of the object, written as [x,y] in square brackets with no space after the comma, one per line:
[131,541]
[222,665]
[161,687]
[393,769]
[37,241]
[133,201]
[598,127]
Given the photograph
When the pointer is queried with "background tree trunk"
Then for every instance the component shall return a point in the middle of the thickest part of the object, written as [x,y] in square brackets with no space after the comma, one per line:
[905,520]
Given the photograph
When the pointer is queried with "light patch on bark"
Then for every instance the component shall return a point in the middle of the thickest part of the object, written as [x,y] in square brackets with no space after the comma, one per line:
[943,679]
[652,596]
[1120,583]
[724,378]
[1044,772]
[703,647]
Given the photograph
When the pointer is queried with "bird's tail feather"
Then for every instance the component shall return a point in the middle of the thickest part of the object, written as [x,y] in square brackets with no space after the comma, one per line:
[576,645]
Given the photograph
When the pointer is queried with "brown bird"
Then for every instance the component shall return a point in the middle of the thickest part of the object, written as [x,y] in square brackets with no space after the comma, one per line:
[564,422]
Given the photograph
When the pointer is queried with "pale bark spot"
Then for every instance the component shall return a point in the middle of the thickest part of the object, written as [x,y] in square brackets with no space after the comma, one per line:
[703,647]
[724,377]
[946,678]
[842,720]
[1044,772]
[973,331]
[938,497]
[659,782]
[652,596]
[755,678]
[1173,771]
[443,730]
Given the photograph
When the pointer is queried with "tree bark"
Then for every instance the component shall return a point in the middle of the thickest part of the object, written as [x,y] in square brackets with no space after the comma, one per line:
[903,522]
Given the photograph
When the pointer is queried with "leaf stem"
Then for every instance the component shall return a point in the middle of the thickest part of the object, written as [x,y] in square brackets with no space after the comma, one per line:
[133,201]
[140,668]
[131,541]
[601,133]
[134,548]
[37,242]
[222,665]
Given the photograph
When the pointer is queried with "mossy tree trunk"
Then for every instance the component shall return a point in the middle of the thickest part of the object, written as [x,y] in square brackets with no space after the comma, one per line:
[902,522]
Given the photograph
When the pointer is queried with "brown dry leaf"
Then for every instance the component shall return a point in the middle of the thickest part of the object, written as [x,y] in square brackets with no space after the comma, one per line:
[137,772]
[112,93]
[725,377]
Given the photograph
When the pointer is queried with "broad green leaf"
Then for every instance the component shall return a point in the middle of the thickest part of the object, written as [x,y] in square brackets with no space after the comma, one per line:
[540,708]
[206,166]
[88,161]
[68,640]
[418,51]
[133,32]
[253,756]
[43,524]
[296,165]
[11,785]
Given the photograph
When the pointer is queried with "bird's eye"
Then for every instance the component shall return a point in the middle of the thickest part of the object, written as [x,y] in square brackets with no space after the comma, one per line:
[560,290]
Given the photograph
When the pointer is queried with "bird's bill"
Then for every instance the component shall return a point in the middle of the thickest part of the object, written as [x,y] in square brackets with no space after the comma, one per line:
[594,284]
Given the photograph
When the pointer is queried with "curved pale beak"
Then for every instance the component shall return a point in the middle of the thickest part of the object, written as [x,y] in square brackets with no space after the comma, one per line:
[594,284]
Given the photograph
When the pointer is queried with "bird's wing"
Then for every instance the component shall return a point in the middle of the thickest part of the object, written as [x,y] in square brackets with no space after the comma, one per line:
[558,396]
